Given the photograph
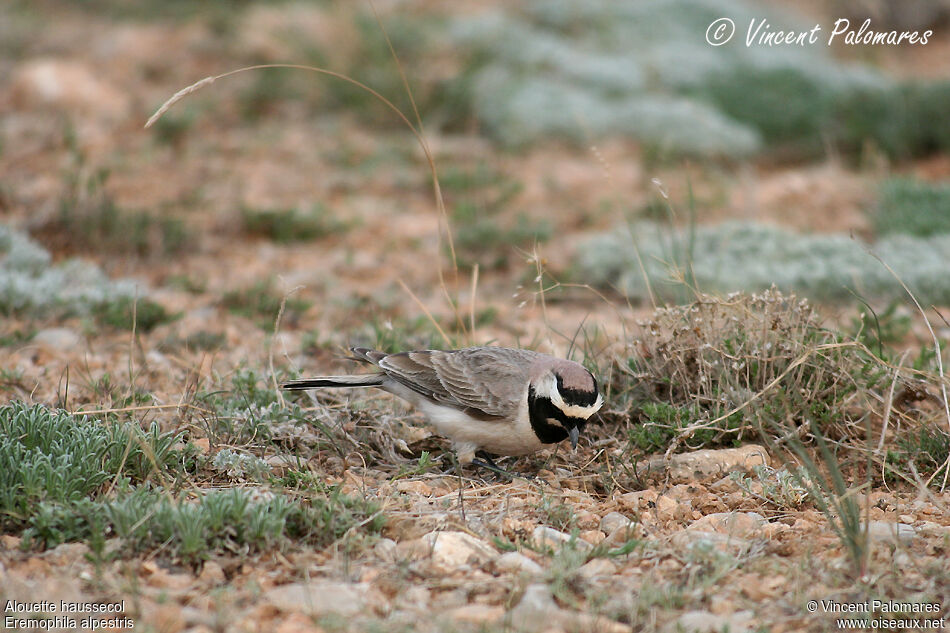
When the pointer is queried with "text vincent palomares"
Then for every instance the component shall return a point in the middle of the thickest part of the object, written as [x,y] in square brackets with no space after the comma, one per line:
[760,32]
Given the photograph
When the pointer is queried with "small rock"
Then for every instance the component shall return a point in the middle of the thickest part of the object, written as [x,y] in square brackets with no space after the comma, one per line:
[726,484]
[9,542]
[479,614]
[638,500]
[929,528]
[415,549]
[319,597]
[67,85]
[212,573]
[759,588]
[906,518]
[594,537]
[885,531]
[517,563]
[537,611]
[707,622]
[741,524]
[414,487]
[597,568]
[416,597]
[587,520]
[203,444]
[57,339]
[298,623]
[67,553]
[666,508]
[155,357]
[615,521]
[166,618]
[385,548]
[452,550]
[708,463]
[549,537]
[688,539]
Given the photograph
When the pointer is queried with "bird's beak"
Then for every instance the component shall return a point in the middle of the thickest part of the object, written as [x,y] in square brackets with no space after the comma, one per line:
[573,433]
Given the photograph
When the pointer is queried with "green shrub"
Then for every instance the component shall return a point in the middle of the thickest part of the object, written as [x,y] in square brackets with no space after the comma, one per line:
[261,303]
[912,207]
[743,256]
[292,225]
[53,456]
[32,286]
[126,313]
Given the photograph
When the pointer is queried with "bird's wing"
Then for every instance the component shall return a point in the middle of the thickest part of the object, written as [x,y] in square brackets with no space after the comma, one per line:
[415,370]
[487,382]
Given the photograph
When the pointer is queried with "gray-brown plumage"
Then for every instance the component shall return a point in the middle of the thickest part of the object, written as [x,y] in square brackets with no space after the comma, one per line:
[502,400]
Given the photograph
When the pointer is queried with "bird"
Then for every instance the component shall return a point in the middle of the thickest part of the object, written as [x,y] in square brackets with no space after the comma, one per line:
[496,400]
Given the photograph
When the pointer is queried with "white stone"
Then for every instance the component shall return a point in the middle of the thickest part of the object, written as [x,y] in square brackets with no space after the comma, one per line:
[452,550]
[549,537]
[614,521]
[740,524]
[385,548]
[597,568]
[57,339]
[517,563]
[688,540]
[708,463]
[706,622]
[319,597]
[68,85]
[886,531]
[481,614]
[537,611]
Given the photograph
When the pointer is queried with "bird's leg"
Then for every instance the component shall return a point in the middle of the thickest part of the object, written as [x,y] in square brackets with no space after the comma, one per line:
[485,461]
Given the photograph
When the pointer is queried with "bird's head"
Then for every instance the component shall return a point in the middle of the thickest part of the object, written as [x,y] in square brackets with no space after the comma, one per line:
[561,397]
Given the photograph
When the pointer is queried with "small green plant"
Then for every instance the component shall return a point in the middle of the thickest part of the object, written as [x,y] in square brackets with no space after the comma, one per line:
[240,466]
[172,129]
[249,413]
[90,220]
[261,303]
[127,313]
[660,423]
[912,207]
[293,225]
[190,530]
[477,198]
[778,487]
[55,457]
[16,337]
[820,474]
[480,237]
[201,340]
[558,515]
[876,330]
[404,334]
[928,447]
[423,465]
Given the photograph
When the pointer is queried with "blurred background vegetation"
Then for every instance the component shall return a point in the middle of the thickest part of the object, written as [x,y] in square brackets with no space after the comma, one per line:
[562,76]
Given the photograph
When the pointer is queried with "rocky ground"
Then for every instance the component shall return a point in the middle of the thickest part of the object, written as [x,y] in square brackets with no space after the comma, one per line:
[602,539]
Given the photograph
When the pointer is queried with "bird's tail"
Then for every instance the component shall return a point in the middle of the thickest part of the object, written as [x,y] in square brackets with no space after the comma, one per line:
[364,380]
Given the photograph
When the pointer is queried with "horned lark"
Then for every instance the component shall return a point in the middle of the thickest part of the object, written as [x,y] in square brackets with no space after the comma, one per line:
[499,400]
